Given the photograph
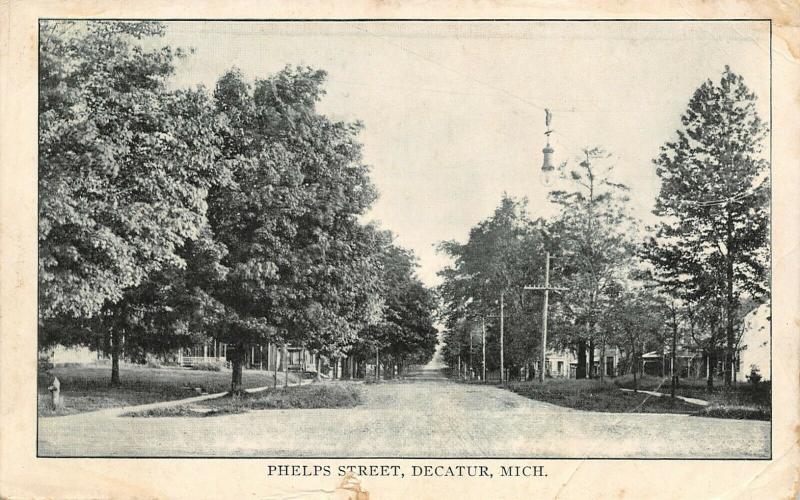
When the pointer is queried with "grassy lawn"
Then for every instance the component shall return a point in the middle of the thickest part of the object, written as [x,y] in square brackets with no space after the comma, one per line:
[742,393]
[593,395]
[326,395]
[88,387]
[741,401]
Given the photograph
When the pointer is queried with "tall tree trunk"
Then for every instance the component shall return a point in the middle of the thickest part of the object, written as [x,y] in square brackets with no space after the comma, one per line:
[274,367]
[114,338]
[285,364]
[580,372]
[731,307]
[237,361]
[591,359]
[635,367]
[710,368]
[603,362]
[674,381]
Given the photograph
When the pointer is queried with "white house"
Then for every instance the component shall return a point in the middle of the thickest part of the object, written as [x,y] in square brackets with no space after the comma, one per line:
[754,344]
[61,355]
[564,364]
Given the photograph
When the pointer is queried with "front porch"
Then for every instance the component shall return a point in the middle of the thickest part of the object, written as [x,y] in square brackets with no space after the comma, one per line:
[268,357]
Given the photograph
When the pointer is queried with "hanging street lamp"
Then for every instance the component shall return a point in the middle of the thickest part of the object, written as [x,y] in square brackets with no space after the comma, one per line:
[548,170]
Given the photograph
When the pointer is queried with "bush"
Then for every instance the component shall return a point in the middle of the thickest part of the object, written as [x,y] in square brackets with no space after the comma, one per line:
[211,366]
[755,375]
[736,412]
[307,396]
[44,363]
[153,362]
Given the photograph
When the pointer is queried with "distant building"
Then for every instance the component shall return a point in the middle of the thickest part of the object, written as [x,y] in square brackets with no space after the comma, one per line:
[564,363]
[753,352]
[265,358]
[60,355]
[260,358]
[754,345]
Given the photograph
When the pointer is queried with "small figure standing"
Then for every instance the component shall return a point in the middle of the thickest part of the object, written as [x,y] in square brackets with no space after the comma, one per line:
[55,394]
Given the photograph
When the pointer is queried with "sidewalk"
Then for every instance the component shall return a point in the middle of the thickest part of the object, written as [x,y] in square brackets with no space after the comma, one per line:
[693,401]
[120,410]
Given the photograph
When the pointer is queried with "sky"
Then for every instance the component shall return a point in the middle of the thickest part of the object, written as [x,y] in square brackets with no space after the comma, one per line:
[454,112]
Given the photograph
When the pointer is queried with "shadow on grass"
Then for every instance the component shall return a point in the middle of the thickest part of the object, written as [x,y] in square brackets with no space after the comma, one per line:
[739,402]
[88,387]
[594,395]
[297,397]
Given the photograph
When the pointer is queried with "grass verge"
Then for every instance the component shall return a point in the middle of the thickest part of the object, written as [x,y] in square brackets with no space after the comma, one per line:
[88,388]
[338,395]
[741,400]
[594,395]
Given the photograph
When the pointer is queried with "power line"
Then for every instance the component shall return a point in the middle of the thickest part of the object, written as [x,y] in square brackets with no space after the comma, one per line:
[541,107]
[456,72]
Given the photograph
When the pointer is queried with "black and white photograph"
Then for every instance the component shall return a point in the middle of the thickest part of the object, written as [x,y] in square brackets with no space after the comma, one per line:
[404,239]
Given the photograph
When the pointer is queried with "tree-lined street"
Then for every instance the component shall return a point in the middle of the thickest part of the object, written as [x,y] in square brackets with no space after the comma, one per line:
[426,416]
[238,218]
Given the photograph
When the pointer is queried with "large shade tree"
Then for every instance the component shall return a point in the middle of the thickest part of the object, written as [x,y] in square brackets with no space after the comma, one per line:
[125,164]
[594,234]
[289,216]
[398,328]
[503,254]
[711,242]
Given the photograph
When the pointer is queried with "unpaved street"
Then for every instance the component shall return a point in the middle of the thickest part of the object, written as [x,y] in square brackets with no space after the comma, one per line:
[423,417]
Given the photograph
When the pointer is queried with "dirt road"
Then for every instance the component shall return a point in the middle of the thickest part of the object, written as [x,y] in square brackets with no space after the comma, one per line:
[426,416]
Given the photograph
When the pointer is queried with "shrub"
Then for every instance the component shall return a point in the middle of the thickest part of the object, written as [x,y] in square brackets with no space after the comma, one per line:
[153,362]
[44,363]
[755,375]
[736,412]
[308,396]
[211,366]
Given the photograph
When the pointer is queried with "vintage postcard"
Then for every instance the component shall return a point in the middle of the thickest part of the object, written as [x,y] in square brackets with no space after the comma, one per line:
[292,252]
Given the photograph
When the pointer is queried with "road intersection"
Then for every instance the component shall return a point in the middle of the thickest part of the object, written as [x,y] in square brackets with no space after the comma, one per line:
[422,416]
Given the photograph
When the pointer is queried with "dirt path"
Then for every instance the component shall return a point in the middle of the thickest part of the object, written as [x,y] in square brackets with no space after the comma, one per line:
[427,416]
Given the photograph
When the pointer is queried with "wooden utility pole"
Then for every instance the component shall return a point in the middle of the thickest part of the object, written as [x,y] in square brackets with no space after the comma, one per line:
[546,288]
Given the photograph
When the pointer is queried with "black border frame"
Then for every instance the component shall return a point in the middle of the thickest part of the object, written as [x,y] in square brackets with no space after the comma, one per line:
[426,20]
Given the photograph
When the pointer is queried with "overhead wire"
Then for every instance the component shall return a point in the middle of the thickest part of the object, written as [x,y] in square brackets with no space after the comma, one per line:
[570,142]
